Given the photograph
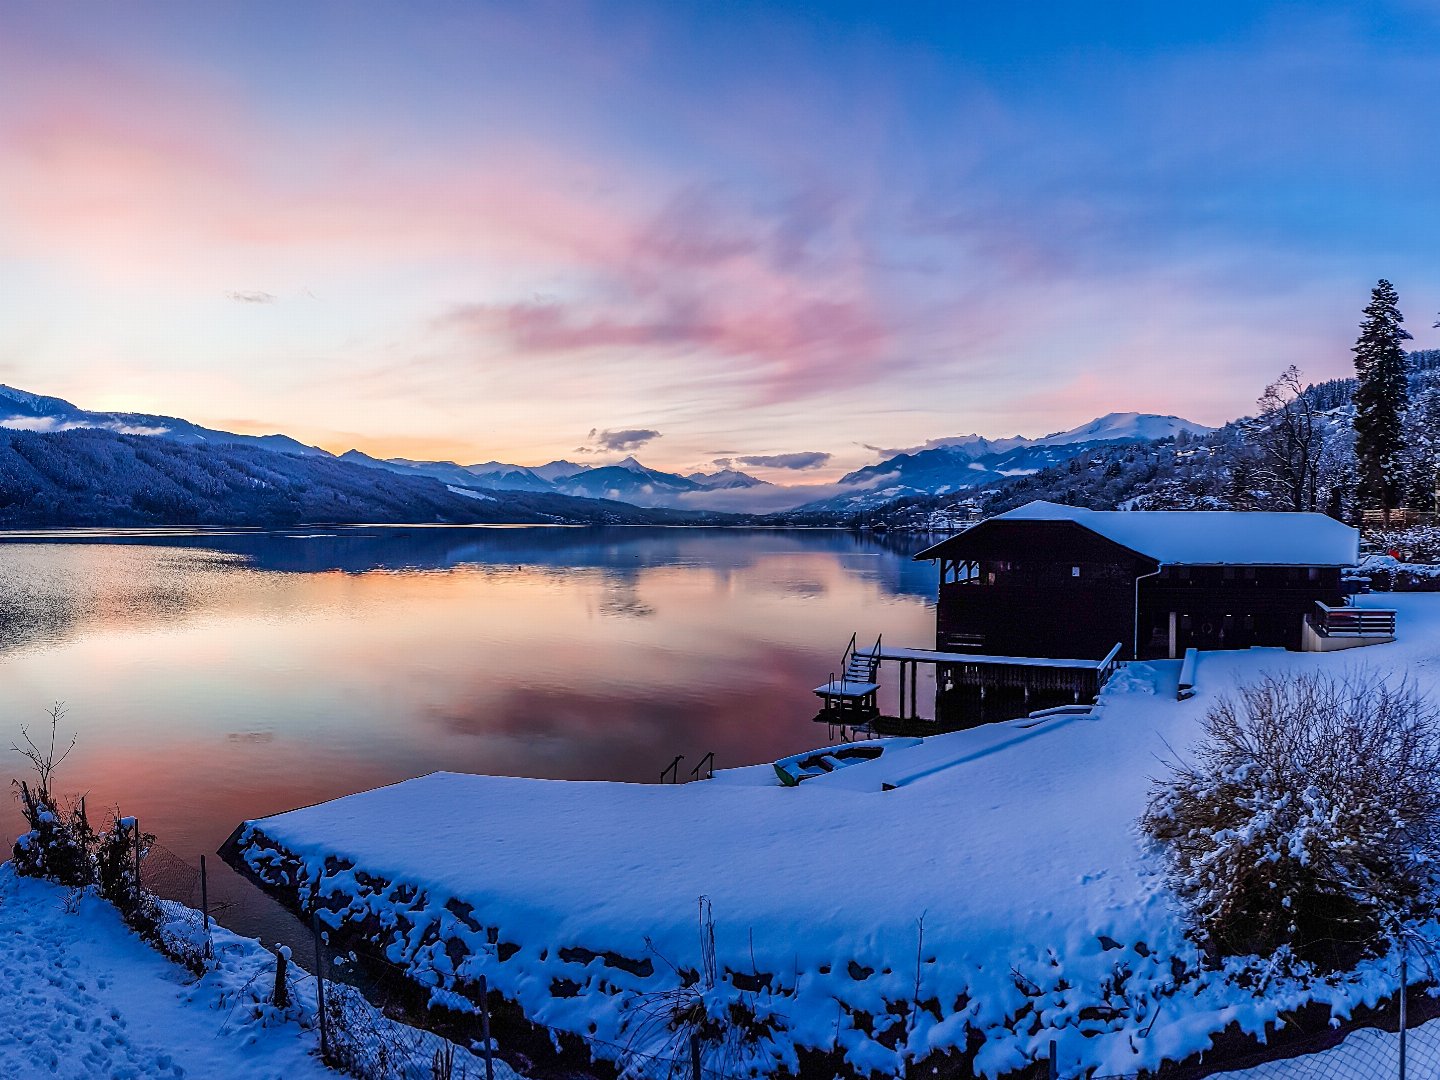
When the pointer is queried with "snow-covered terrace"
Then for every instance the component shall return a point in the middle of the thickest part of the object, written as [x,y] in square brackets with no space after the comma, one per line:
[1014,843]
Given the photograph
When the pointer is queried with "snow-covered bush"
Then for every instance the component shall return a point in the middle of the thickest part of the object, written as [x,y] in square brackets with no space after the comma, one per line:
[1309,820]
[1414,543]
[57,846]
[116,867]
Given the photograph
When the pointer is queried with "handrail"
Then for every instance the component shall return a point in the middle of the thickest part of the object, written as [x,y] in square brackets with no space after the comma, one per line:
[673,769]
[1106,667]
[708,758]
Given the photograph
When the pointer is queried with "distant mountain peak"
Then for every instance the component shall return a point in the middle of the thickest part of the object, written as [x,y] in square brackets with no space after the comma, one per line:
[1126,426]
[727,478]
[36,404]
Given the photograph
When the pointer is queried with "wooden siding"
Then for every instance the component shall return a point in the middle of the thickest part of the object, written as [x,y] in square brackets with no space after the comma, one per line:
[1050,588]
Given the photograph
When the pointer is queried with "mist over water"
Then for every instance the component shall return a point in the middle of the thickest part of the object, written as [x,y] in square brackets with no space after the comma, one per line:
[219,676]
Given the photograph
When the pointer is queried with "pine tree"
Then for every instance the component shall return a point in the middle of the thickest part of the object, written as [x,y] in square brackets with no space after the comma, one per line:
[1421,456]
[1380,398]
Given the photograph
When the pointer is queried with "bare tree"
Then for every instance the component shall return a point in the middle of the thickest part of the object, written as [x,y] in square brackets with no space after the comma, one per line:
[1289,438]
[43,759]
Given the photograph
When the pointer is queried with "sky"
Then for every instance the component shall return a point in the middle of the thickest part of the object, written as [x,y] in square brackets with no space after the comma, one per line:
[779,233]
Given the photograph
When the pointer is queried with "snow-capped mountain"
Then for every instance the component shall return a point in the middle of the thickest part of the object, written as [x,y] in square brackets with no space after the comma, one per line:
[1125,427]
[558,470]
[727,480]
[970,461]
[22,410]
[627,480]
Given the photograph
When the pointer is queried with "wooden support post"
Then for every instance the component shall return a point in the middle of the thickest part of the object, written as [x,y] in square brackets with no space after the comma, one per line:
[205,908]
[914,709]
[320,989]
[485,1027]
[137,862]
[1403,1018]
[696,1071]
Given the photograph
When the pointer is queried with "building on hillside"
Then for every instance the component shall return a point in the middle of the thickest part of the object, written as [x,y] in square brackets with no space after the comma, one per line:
[1059,581]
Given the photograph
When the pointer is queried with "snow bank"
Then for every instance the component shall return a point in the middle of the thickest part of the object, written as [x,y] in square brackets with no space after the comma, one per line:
[85,997]
[984,892]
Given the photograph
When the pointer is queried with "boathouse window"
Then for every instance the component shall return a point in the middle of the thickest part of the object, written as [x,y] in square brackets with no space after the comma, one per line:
[1074,571]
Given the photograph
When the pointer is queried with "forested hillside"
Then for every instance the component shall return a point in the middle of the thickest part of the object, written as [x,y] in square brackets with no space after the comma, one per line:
[97,477]
[1249,464]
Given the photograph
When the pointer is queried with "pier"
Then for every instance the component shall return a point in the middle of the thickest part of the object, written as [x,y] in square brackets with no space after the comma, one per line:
[850,698]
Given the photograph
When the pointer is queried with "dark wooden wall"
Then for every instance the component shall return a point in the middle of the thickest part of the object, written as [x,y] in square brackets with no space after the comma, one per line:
[1056,589]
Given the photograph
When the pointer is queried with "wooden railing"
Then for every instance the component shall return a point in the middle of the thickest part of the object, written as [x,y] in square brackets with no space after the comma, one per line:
[1354,622]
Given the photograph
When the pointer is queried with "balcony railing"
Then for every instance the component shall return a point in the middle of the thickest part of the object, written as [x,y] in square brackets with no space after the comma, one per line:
[1353,622]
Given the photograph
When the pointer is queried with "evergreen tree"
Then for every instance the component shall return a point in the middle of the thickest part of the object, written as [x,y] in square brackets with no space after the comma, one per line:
[1421,455]
[1380,398]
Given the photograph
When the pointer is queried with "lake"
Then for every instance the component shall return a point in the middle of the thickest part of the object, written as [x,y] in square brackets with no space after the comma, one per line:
[214,676]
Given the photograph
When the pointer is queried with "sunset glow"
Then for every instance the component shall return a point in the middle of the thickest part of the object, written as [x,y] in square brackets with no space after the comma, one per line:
[491,231]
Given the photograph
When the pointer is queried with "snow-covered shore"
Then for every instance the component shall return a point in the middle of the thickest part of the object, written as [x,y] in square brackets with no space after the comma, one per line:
[85,997]
[987,888]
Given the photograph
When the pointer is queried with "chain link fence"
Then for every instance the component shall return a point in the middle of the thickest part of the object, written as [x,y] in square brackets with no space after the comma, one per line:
[1366,1054]
[181,901]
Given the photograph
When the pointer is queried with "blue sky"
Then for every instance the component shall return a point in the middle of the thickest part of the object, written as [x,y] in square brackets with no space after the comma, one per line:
[484,231]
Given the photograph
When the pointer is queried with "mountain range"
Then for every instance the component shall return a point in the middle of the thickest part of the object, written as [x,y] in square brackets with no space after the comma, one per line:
[560,490]
[971,461]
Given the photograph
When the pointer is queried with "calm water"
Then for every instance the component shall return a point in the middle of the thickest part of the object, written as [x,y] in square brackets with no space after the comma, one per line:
[216,677]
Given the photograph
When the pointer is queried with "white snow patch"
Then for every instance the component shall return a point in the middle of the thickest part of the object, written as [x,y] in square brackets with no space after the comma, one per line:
[470,493]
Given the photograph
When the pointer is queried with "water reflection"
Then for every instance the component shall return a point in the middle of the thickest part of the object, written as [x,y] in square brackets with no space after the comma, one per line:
[219,676]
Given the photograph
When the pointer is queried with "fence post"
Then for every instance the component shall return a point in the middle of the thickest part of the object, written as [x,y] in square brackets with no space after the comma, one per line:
[485,1026]
[695,1055]
[320,990]
[137,863]
[1403,981]
[1054,1061]
[205,909]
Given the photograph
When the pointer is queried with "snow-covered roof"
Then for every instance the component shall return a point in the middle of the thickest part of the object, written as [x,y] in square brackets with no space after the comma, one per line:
[1211,537]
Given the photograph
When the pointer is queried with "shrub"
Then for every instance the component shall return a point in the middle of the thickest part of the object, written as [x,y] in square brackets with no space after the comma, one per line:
[1310,818]
[58,843]
[115,868]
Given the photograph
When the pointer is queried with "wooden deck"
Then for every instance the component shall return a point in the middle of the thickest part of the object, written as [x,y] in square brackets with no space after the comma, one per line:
[852,700]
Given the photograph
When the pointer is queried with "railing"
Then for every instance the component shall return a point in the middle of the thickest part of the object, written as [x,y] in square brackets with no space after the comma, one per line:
[672,770]
[1353,622]
[707,760]
[1107,667]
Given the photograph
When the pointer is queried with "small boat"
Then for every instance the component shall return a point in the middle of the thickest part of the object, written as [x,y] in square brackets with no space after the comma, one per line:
[813,763]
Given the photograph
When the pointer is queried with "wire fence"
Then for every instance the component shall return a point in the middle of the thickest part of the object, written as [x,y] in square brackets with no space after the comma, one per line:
[1366,1054]
[181,901]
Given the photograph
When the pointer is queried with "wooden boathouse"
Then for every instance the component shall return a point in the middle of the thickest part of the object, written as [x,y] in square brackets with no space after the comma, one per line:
[1050,580]
[1038,606]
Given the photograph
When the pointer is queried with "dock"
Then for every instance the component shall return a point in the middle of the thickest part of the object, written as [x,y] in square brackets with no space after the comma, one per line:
[850,697]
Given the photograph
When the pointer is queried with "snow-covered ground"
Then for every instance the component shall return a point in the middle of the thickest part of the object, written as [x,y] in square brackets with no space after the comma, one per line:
[990,883]
[81,996]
